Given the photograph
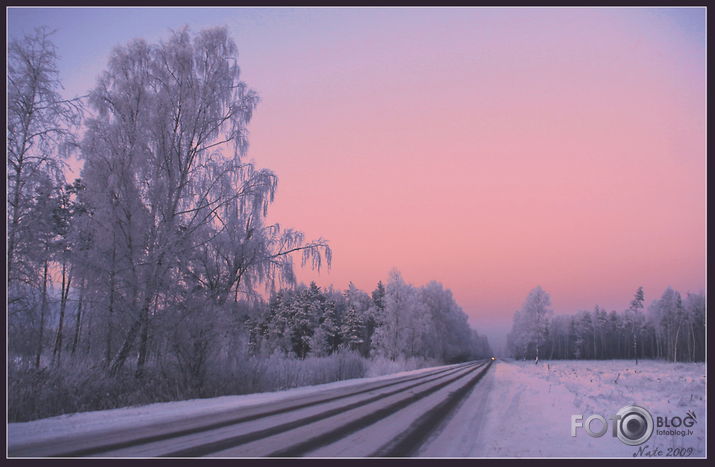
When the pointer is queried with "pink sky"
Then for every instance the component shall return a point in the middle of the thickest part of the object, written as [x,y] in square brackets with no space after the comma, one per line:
[566,150]
[489,149]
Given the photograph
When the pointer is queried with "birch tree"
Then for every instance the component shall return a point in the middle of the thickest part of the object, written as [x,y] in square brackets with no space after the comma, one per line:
[391,336]
[164,160]
[531,323]
[40,126]
[39,134]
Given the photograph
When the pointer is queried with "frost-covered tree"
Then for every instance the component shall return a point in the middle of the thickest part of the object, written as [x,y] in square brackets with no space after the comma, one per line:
[560,339]
[64,213]
[376,311]
[378,296]
[306,312]
[479,345]
[300,321]
[39,135]
[679,324]
[173,198]
[273,331]
[419,326]
[424,322]
[530,326]
[328,336]
[664,313]
[600,317]
[695,337]
[161,112]
[449,334]
[391,337]
[585,335]
[518,337]
[635,308]
[40,125]
[44,230]
[356,328]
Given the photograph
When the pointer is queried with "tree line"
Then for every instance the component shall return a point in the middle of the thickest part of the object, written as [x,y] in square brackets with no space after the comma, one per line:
[395,321]
[672,328]
[160,251]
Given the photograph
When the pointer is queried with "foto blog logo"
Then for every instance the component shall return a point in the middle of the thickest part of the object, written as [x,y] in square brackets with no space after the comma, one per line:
[632,424]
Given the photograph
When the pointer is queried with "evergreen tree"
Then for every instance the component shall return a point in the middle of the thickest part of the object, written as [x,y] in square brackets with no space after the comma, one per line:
[635,307]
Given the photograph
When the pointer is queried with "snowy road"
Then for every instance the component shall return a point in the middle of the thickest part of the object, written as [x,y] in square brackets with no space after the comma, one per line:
[386,417]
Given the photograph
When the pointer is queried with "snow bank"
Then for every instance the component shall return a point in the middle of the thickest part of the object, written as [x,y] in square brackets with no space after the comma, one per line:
[524,410]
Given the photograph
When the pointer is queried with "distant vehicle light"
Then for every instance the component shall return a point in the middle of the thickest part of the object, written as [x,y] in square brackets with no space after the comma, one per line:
[494,358]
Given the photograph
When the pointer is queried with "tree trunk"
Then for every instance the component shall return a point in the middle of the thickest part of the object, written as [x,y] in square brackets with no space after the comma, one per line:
[537,353]
[15,218]
[131,336]
[657,346]
[64,294]
[110,310]
[144,337]
[595,355]
[635,342]
[43,311]
[123,353]
[88,339]
[151,291]
[78,321]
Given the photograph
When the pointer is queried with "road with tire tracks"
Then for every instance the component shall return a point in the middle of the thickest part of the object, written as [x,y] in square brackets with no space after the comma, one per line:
[393,417]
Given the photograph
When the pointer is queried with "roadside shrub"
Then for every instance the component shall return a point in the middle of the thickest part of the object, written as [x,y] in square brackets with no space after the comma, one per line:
[83,385]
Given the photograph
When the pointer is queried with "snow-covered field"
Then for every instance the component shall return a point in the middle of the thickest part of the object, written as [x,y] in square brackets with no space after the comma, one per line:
[524,410]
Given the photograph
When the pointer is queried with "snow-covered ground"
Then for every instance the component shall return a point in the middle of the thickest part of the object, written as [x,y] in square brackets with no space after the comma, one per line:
[524,410]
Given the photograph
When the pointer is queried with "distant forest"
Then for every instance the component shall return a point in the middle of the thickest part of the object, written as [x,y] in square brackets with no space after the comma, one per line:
[672,328]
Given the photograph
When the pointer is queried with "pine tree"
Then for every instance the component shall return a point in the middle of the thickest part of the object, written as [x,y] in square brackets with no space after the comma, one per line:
[355,326]
[635,307]
[328,337]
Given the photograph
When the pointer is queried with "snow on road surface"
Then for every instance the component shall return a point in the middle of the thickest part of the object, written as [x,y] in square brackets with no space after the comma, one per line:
[524,410]
[131,417]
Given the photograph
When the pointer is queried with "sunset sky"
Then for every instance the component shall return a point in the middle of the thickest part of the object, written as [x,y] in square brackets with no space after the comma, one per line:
[491,149]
